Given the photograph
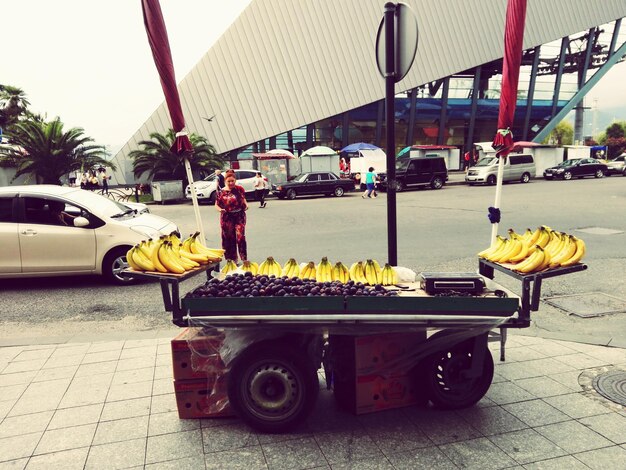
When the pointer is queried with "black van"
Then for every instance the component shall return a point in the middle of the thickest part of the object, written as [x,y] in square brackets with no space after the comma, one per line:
[419,171]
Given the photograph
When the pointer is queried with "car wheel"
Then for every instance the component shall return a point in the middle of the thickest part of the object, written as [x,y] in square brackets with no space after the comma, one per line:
[272,388]
[399,186]
[113,265]
[525,178]
[491,180]
[338,191]
[599,173]
[437,182]
[624,172]
[567,175]
[291,194]
[212,198]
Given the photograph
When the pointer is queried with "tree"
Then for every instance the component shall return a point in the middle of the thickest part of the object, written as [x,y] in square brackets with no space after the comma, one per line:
[615,130]
[13,104]
[615,146]
[45,151]
[157,160]
[562,134]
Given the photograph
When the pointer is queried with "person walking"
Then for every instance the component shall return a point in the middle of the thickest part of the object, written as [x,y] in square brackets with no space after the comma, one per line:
[104,178]
[259,189]
[220,180]
[370,183]
[232,206]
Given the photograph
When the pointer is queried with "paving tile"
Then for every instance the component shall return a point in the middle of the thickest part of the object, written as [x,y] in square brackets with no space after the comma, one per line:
[56,373]
[162,386]
[428,458]
[18,464]
[163,372]
[163,403]
[116,455]
[189,463]
[140,343]
[8,353]
[292,454]
[136,363]
[610,355]
[145,351]
[165,423]
[6,406]
[66,438]
[612,426]
[174,446]
[602,459]
[397,437]
[103,356]
[105,346]
[527,446]
[369,463]
[24,366]
[64,460]
[87,390]
[264,438]
[32,355]
[577,405]
[164,360]
[553,348]
[569,379]
[490,421]
[347,446]
[328,417]
[17,447]
[97,368]
[12,392]
[40,396]
[228,437]
[125,409]
[63,361]
[507,392]
[522,354]
[543,387]
[133,376]
[536,413]
[73,350]
[77,416]
[25,424]
[568,462]
[573,437]
[582,361]
[129,391]
[478,453]
[121,430]
[442,427]
[17,378]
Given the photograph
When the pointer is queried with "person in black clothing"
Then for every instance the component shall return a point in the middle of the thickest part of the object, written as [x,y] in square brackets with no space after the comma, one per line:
[220,180]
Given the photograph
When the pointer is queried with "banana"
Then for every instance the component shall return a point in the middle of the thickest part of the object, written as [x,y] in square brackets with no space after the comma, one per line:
[228,267]
[515,247]
[357,272]
[131,261]
[309,271]
[500,251]
[493,248]
[372,274]
[292,268]
[276,268]
[389,276]
[154,256]
[532,262]
[202,259]
[521,255]
[142,260]
[323,271]
[214,254]
[168,261]
[565,253]
[527,236]
[250,266]
[544,237]
[546,261]
[581,249]
[340,272]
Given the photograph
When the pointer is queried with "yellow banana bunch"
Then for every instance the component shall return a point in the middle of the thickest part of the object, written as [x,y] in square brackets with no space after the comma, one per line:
[532,263]
[193,245]
[291,268]
[308,272]
[357,272]
[168,260]
[493,248]
[323,271]
[340,272]
[578,254]
[130,260]
[270,267]
[504,247]
[389,277]
[229,266]
[373,273]
[250,267]
[515,246]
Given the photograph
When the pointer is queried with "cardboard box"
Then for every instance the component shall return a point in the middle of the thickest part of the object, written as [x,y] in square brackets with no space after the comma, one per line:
[196,355]
[203,398]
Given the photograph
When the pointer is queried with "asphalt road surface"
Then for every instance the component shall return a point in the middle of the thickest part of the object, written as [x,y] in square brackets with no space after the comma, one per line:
[437,231]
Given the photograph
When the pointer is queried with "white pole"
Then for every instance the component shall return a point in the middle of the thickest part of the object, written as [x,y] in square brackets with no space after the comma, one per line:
[194,200]
[496,204]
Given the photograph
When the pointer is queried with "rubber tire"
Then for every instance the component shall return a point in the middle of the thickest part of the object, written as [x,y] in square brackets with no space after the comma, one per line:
[212,198]
[115,261]
[567,175]
[338,192]
[599,174]
[437,182]
[457,357]
[292,365]
[400,186]
[525,178]
[291,194]
[491,180]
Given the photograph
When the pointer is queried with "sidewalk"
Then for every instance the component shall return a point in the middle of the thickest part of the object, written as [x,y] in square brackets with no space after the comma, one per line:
[110,404]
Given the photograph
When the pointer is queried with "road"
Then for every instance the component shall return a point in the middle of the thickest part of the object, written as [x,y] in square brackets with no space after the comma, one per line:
[437,231]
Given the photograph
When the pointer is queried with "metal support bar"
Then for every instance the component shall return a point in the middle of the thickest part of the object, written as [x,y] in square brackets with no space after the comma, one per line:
[503,335]
[478,357]
[531,91]
[443,116]
[476,87]
[559,75]
[618,24]
[411,124]
[345,129]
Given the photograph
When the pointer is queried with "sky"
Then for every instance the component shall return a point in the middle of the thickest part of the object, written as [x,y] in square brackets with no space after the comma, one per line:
[89,62]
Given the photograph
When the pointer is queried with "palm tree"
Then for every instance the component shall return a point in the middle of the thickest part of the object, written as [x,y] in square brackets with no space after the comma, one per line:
[45,151]
[13,104]
[157,159]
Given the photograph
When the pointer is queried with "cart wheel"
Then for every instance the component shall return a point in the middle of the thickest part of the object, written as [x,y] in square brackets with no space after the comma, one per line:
[272,388]
[447,386]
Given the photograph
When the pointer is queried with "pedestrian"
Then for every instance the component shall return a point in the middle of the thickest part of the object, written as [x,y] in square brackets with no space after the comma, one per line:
[83,181]
[259,189]
[466,161]
[370,183]
[232,205]
[104,178]
[220,180]
[93,179]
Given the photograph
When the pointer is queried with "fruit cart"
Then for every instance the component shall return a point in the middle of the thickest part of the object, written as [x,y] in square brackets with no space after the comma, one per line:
[272,378]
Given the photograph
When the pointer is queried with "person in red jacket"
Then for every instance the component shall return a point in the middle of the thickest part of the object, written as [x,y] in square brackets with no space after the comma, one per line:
[232,205]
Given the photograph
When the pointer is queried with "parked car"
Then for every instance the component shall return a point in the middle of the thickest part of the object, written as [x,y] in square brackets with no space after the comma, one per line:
[576,168]
[517,167]
[617,166]
[418,171]
[314,183]
[48,230]
[206,189]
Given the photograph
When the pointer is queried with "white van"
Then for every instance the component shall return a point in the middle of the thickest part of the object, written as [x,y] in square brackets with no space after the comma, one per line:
[517,167]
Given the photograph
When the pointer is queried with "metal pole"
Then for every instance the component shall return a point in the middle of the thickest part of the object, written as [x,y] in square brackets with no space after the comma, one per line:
[496,204]
[390,68]
[194,199]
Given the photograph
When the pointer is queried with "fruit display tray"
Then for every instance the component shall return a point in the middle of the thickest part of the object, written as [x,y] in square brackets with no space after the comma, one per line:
[159,275]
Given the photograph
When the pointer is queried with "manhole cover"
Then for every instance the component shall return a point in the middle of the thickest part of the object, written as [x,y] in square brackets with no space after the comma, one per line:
[588,304]
[599,231]
[612,385]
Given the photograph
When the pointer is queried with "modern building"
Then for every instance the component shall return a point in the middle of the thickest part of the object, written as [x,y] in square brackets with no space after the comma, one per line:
[293,74]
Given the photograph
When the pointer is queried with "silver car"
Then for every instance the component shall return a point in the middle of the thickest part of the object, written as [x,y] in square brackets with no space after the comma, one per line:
[617,166]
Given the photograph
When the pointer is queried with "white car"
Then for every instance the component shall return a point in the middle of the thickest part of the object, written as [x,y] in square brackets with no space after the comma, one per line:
[90,236]
[206,189]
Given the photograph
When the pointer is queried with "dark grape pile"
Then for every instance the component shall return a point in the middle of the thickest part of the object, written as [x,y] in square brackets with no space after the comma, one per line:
[248,285]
